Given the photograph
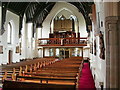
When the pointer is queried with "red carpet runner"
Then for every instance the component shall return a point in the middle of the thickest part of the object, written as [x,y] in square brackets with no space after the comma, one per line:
[86,80]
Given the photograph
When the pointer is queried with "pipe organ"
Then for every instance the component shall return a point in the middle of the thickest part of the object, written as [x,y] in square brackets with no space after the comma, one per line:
[63,25]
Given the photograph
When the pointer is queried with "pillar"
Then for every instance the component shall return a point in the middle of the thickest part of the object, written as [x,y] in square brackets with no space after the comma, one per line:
[0,14]
[29,40]
[24,41]
[112,51]
[38,35]
[36,45]
[39,32]
[112,33]
[76,27]
[119,42]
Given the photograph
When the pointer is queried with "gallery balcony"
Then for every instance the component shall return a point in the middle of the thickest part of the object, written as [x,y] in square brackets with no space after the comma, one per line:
[62,42]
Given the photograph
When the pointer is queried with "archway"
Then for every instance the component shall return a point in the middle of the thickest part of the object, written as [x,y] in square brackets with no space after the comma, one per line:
[56,9]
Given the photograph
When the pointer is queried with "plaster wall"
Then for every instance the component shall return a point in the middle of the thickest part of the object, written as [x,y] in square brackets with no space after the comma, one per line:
[13,19]
[98,65]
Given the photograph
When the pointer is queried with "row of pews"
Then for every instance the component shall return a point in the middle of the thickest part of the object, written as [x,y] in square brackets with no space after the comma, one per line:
[9,72]
[52,74]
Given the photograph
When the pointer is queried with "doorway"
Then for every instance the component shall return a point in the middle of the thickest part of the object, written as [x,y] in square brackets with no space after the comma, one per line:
[64,53]
[61,53]
[10,52]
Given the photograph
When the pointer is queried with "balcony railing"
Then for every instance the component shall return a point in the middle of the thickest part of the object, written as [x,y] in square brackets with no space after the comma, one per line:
[62,42]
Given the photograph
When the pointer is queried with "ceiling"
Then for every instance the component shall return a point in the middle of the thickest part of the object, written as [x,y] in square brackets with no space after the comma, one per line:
[36,12]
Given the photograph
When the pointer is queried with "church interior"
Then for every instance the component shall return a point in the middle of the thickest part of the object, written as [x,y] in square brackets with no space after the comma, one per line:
[60,45]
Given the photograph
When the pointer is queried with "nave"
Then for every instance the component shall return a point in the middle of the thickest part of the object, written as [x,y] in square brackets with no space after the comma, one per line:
[52,74]
[39,37]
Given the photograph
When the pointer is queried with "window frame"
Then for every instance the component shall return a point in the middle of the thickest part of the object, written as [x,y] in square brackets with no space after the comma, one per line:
[9,31]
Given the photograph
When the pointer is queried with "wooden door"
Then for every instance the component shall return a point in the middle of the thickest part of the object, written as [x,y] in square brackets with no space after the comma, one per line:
[10,57]
[66,54]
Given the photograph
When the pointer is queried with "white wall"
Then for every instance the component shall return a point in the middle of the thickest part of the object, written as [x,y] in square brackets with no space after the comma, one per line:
[24,40]
[98,65]
[86,52]
[0,15]
[55,10]
[14,19]
[64,12]
[1,54]
[0,32]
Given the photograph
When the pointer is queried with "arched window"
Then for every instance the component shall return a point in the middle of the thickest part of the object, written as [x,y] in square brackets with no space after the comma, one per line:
[9,36]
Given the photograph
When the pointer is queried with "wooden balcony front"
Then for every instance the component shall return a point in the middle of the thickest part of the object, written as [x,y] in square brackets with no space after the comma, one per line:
[62,42]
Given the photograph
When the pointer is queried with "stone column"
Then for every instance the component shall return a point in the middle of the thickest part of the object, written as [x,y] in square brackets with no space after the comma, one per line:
[119,42]
[36,45]
[24,41]
[112,51]
[29,40]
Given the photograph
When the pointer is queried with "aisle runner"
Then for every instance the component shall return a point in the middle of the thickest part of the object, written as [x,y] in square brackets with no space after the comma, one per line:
[86,80]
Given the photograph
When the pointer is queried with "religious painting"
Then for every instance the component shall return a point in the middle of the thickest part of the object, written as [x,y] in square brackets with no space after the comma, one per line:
[17,49]
[1,49]
[91,48]
[102,48]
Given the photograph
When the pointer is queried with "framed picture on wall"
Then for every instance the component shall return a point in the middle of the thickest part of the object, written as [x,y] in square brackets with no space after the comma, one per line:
[102,47]
[1,49]
[17,49]
[91,48]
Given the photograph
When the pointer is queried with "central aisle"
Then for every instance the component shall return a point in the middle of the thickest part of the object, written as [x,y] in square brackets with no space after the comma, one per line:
[86,80]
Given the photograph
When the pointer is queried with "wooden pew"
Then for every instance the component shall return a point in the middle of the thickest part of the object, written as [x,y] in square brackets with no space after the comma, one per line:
[37,86]
[11,74]
[64,72]
[53,74]
[56,72]
[71,80]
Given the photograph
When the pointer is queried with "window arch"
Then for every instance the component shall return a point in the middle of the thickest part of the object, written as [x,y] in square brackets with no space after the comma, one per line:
[9,33]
